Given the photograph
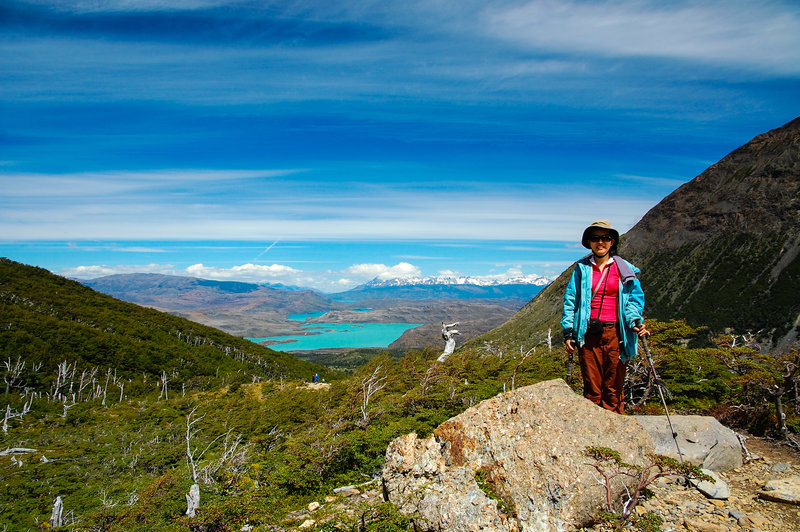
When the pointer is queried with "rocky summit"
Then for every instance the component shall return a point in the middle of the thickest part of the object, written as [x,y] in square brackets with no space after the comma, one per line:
[513,462]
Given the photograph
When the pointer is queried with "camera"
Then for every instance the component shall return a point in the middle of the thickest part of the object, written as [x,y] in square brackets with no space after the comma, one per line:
[595,326]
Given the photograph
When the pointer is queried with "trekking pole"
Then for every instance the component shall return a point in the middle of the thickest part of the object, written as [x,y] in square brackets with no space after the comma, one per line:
[569,368]
[661,387]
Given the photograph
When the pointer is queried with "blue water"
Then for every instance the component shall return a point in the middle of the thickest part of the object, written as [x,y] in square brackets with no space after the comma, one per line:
[330,335]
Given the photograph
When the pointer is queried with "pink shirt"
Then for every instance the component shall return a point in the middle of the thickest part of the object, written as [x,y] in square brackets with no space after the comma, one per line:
[609,310]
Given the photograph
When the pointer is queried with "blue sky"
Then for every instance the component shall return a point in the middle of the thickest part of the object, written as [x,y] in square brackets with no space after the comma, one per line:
[366,138]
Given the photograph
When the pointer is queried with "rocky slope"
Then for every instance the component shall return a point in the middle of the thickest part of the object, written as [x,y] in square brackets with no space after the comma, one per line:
[722,250]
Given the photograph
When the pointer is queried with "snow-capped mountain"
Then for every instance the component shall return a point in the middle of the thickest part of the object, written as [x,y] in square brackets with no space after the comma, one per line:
[519,290]
[456,280]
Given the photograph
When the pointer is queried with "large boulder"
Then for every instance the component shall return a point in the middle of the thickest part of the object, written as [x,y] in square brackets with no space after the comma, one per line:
[526,448]
[703,440]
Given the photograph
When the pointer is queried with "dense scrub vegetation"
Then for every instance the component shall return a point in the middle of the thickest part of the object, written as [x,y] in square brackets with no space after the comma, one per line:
[706,282]
[274,446]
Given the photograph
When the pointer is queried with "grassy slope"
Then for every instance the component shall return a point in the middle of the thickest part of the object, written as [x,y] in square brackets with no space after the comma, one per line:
[47,319]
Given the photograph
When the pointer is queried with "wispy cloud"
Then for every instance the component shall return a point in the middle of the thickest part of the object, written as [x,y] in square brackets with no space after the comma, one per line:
[189,206]
[129,120]
[764,36]
[670,182]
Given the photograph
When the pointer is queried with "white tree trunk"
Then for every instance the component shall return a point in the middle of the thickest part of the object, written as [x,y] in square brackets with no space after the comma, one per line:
[56,518]
[192,500]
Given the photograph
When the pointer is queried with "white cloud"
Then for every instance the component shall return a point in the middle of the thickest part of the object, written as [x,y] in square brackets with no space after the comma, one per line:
[245,272]
[90,272]
[761,35]
[382,271]
[325,281]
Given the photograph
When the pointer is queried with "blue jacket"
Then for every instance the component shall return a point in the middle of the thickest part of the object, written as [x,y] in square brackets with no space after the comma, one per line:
[630,304]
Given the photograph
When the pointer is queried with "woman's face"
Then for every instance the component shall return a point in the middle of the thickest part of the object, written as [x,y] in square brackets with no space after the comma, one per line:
[601,242]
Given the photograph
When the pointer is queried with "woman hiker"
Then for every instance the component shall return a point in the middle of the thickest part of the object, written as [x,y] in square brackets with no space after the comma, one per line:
[602,305]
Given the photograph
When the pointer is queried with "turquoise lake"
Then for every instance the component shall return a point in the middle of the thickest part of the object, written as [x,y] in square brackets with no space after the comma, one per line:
[333,335]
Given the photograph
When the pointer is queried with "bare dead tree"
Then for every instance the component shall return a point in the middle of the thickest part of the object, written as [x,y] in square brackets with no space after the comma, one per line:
[193,500]
[369,387]
[68,406]
[791,366]
[56,516]
[192,456]
[87,379]
[163,382]
[105,388]
[232,458]
[65,375]
[11,414]
[524,357]
[493,349]
[13,376]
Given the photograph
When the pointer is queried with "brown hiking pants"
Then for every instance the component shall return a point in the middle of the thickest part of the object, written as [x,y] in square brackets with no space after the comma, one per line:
[603,372]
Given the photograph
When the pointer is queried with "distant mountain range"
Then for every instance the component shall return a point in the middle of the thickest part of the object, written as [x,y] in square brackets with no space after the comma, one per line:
[520,289]
[455,280]
[254,310]
[722,251]
[182,293]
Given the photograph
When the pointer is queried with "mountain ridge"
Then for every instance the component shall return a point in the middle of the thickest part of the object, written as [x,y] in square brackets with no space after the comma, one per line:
[722,250]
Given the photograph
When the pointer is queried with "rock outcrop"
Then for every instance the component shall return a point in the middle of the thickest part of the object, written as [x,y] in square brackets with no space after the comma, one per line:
[704,441]
[513,462]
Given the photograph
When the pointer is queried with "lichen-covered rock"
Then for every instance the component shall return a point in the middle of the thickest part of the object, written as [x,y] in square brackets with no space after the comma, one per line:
[527,449]
[704,441]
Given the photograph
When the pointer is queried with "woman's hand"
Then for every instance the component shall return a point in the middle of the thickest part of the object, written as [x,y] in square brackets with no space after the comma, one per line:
[641,330]
[570,345]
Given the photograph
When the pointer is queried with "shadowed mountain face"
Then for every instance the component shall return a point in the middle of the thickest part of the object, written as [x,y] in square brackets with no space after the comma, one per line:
[722,250]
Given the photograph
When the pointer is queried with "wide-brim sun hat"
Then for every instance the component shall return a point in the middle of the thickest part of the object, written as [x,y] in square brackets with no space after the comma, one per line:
[600,224]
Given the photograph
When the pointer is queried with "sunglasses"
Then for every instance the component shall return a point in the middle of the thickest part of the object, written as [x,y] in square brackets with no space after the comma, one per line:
[600,238]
